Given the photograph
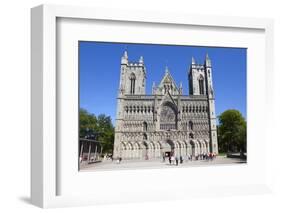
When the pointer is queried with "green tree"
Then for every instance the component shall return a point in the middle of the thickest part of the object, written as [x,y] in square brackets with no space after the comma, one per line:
[232,131]
[87,122]
[106,131]
[102,125]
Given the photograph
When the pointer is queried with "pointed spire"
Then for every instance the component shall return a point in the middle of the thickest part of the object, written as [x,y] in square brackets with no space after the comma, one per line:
[125,54]
[124,59]
[208,61]
[192,60]
[153,88]
[141,60]
[180,88]
[166,70]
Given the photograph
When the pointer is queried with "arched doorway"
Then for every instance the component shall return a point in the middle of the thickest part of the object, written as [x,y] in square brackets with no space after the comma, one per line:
[168,148]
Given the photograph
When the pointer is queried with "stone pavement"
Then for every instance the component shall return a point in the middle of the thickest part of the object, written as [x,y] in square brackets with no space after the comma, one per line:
[155,163]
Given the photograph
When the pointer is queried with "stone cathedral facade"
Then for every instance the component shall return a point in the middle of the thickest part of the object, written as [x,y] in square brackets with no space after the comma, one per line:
[166,122]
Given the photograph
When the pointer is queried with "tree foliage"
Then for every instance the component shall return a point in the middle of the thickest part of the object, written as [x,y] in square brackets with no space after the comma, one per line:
[232,131]
[101,125]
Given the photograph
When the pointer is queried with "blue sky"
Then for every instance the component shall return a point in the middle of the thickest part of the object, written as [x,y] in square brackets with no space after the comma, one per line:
[99,67]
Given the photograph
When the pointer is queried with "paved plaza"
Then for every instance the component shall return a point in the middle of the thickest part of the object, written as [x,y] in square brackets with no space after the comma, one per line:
[156,163]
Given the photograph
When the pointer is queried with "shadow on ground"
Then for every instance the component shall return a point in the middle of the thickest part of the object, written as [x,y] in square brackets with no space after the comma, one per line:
[24,199]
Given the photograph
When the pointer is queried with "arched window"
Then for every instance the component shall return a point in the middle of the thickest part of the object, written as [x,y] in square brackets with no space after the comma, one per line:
[201,85]
[144,136]
[144,126]
[133,81]
[191,135]
[190,124]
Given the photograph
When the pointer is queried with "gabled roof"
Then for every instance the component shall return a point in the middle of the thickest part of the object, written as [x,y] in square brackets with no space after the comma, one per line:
[168,79]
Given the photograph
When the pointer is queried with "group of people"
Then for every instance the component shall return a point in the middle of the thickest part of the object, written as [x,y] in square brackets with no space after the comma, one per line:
[205,156]
[175,160]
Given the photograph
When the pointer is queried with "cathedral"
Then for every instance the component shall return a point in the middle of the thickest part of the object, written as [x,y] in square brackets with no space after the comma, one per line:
[165,122]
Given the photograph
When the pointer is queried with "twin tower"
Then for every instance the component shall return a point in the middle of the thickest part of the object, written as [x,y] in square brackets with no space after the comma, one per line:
[133,79]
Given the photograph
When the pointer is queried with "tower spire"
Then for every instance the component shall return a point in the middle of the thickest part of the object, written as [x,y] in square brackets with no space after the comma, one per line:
[208,61]
[124,59]
[192,60]
[125,54]
[141,60]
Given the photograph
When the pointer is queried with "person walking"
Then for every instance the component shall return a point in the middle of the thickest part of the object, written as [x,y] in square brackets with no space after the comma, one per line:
[181,160]
[170,160]
[173,159]
[177,160]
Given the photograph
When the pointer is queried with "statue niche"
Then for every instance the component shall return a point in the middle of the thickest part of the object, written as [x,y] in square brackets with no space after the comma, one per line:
[168,117]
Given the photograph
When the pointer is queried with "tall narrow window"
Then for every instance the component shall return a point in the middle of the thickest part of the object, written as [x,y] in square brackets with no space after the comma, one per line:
[132,80]
[144,126]
[201,85]
[190,125]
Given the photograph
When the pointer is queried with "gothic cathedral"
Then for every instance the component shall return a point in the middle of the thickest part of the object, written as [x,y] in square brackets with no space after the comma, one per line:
[167,122]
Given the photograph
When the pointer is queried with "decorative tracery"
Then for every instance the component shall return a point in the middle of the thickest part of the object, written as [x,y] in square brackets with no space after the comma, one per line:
[168,117]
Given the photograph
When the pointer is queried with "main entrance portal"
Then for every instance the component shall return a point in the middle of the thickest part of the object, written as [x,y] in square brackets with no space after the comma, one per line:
[168,148]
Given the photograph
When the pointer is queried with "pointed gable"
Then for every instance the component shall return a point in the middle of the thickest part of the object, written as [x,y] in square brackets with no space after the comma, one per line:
[168,84]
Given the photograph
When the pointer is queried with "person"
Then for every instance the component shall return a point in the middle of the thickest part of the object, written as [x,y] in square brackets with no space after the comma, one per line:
[173,159]
[177,161]
[170,160]
[210,156]
[181,160]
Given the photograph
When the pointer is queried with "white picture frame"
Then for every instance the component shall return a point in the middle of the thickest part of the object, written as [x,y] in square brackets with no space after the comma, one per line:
[45,152]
